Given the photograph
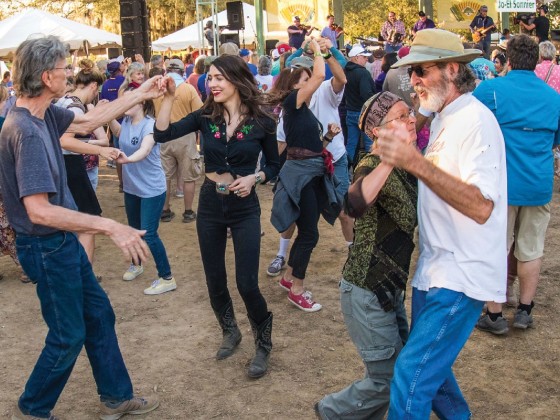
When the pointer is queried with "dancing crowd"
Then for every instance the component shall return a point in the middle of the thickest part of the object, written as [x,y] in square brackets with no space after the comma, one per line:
[425,138]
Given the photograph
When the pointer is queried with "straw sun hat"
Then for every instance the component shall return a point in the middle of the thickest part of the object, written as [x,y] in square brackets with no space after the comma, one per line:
[437,45]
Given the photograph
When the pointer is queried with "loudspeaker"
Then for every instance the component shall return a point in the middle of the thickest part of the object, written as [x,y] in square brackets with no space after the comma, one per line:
[270,44]
[235,18]
[555,34]
[135,28]
[230,38]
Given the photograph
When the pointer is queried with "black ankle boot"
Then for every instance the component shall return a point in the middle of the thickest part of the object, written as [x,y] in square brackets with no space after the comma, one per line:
[230,331]
[263,346]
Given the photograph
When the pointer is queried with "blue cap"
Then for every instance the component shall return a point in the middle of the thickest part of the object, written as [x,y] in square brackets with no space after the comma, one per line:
[243,52]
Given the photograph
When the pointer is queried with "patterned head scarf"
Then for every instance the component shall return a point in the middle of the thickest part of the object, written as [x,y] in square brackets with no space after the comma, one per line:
[374,110]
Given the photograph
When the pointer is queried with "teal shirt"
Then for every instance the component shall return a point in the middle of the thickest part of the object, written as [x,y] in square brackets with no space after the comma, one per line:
[528,111]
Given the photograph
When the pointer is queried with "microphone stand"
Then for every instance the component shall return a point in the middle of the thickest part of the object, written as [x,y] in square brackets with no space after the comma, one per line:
[254,33]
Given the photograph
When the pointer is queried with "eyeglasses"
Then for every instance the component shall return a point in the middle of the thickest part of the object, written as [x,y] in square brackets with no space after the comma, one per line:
[404,118]
[418,70]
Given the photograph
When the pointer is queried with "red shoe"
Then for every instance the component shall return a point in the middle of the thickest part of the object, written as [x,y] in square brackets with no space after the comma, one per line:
[304,302]
[285,284]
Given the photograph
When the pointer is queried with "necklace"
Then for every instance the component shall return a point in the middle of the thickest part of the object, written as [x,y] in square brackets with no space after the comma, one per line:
[234,120]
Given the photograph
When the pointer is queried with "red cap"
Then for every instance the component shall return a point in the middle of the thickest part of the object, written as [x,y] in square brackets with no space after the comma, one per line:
[282,48]
[403,52]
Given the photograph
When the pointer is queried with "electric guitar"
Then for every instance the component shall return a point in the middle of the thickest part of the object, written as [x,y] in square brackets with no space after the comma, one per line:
[480,33]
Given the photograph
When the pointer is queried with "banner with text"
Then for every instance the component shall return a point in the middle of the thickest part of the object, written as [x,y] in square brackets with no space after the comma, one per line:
[516,5]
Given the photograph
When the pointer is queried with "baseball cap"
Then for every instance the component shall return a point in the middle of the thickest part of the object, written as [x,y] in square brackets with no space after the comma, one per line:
[421,13]
[119,59]
[244,52]
[113,66]
[302,61]
[175,64]
[403,52]
[357,50]
[282,48]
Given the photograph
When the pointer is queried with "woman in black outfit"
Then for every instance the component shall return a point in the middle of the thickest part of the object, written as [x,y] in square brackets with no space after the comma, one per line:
[305,189]
[235,129]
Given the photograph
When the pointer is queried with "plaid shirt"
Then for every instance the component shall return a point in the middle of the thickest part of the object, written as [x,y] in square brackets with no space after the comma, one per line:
[398,27]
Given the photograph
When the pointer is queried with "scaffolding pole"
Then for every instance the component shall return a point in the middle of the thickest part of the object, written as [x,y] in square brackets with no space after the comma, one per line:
[214,17]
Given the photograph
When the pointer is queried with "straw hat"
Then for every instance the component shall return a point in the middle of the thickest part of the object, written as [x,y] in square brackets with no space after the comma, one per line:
[437,45]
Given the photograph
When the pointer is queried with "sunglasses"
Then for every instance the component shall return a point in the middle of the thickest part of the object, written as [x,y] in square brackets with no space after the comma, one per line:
[418,70]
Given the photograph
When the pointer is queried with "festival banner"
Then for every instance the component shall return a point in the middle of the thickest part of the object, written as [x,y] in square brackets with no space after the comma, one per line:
[454,14]
[281,12]
[517,6]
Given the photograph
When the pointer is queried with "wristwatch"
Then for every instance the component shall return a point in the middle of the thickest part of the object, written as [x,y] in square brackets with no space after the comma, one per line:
[327,55]
[258,179]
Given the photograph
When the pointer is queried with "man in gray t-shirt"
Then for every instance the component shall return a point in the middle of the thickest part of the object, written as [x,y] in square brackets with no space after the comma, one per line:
[40,208]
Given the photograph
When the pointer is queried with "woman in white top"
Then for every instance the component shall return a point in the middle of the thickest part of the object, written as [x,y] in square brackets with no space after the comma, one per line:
[144,189]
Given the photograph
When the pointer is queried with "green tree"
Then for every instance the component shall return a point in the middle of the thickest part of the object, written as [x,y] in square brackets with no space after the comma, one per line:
[363,18]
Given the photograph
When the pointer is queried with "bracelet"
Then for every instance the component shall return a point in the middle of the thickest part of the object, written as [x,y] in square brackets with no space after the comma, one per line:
[327,55]
[325,138]
[318,54]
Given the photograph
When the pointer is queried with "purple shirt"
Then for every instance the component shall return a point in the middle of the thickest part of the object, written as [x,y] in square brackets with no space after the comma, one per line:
[427,24]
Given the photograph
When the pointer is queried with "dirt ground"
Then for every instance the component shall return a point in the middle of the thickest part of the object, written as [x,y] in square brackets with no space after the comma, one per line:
[169,341]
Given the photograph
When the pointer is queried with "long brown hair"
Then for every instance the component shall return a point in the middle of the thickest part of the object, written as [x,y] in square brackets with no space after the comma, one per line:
[236,71]
[285,83]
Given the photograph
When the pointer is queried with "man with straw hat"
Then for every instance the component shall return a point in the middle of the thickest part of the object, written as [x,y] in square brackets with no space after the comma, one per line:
[462,214]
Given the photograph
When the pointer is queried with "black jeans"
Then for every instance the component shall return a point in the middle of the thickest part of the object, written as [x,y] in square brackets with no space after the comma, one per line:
[217,212]
[308,232]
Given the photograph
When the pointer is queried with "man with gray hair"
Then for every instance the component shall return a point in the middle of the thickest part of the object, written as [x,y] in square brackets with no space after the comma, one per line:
[42,212]
[462,211]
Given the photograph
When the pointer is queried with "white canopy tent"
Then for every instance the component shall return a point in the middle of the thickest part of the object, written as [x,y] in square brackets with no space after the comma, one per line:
[190,36]
[16,29]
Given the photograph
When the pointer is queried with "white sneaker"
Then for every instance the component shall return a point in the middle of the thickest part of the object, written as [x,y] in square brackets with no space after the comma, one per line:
[160,286]
[133,272]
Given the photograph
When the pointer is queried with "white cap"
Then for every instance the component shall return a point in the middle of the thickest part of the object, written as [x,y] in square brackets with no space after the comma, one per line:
[357,50]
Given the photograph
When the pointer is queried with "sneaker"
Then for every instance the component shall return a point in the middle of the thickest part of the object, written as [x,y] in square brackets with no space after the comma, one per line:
[160,286]
[133,272]
[304,302]
[135,405]
[285,284]
[497,327]
[167,215]
[189,216]
[179,194]
[276,266]
[522,320]
[18,415]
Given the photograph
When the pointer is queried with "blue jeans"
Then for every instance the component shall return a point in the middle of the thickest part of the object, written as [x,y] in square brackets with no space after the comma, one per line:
[144,214]
[354,134]
[442,321]
[392,48]
[378,336]
[217,212]
[77,313]
[342,174]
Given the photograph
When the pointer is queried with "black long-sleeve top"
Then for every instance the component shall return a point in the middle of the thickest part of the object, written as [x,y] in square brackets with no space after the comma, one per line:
[237,156]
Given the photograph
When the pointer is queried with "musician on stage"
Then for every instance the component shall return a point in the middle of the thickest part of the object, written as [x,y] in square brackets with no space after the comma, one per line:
[393,32]
[422,23]
[482,26]
[332,30]
[297,33]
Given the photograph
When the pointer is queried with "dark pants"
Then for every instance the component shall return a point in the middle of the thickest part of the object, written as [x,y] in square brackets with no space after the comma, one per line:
[308,231]
[217,212]
[77,313]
